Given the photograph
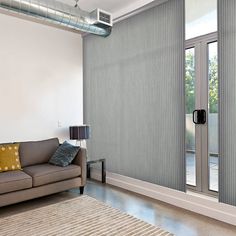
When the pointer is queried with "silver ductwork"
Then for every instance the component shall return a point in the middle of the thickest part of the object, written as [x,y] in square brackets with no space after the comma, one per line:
[98,22]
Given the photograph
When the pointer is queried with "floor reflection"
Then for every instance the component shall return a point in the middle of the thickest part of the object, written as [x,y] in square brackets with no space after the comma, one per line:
[175,220]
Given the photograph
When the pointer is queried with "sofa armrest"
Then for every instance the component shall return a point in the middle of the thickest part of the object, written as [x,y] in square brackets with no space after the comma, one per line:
[81,160]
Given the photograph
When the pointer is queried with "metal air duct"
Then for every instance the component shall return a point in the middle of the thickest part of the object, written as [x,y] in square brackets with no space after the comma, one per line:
[98,22]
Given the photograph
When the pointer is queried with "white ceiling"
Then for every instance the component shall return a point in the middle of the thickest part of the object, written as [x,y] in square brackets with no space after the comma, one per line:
[197,9]
[116,7]
[107,5]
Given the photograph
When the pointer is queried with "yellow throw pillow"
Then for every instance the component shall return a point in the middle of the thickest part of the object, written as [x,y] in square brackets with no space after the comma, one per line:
[9,157]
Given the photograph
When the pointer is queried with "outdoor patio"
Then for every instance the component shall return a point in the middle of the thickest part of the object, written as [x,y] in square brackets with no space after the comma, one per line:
[191,171]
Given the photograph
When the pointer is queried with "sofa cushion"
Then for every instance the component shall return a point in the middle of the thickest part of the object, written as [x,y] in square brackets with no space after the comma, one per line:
[14,180]
[33,153]
[64,155]
[9,157]
[46,173]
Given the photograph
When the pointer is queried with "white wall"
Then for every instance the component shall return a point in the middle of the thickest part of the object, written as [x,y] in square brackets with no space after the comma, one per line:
[40,80]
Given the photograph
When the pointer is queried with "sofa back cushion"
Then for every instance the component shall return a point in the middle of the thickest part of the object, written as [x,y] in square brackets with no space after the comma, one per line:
[37,152]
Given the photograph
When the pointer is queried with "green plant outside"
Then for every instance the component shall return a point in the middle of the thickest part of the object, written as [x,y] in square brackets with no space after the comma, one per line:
[190,83]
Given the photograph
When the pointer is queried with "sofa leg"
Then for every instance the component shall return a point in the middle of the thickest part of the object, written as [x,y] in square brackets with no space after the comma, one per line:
[81,189]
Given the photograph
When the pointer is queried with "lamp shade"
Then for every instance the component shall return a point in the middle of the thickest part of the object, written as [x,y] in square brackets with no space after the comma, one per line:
[79,132]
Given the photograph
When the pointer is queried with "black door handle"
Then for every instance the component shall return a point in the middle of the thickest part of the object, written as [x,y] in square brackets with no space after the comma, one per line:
[195,122]
[199,117]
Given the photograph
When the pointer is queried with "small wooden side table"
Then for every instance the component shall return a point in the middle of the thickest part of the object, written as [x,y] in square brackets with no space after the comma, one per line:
[103,162]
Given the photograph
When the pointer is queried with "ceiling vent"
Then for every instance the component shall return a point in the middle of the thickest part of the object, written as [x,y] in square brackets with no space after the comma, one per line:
[102,17]
[98,22]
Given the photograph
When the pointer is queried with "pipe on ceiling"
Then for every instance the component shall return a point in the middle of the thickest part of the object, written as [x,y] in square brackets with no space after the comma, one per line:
[57,13]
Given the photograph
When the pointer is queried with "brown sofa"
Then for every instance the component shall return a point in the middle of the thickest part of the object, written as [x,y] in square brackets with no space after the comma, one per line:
[39,178]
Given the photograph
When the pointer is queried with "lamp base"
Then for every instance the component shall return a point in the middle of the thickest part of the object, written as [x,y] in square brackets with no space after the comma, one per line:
[78,143]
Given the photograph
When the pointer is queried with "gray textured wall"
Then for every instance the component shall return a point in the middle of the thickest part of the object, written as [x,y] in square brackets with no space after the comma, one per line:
[134,96]
[227,95]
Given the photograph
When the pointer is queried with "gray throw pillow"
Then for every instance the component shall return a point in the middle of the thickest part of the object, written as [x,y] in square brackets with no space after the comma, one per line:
[64,155]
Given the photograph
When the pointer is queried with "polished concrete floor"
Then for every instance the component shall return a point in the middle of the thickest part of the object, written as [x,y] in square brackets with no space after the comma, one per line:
[173,219]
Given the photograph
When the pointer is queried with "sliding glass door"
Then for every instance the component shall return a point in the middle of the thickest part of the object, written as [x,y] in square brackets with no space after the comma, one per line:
[190,82]
[213,150]
[201,88]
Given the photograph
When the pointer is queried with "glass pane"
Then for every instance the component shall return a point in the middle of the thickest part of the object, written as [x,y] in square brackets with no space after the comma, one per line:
[201,17]
[190,107]
[213,159]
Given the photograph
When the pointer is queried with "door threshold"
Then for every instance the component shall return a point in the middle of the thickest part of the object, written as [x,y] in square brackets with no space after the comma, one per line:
[202,195]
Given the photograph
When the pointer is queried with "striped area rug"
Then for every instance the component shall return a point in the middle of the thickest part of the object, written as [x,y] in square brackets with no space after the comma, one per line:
[82,216]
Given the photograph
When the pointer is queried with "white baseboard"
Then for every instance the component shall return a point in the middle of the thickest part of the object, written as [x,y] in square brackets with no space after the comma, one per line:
[197,203]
